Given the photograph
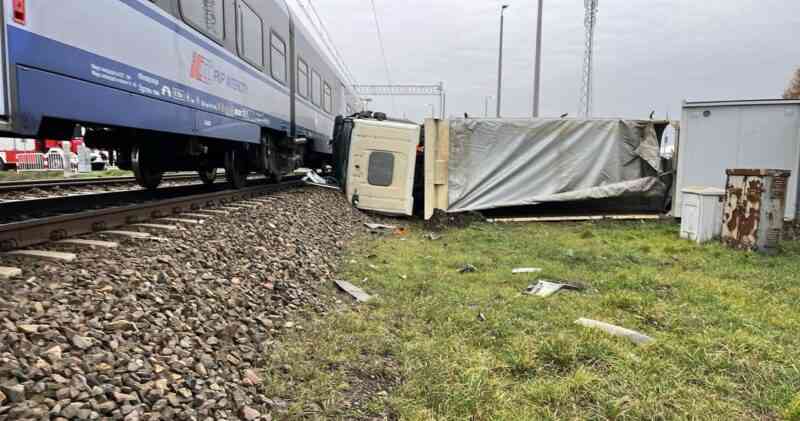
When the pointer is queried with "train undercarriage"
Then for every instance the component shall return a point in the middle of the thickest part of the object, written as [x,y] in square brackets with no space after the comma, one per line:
[149,155]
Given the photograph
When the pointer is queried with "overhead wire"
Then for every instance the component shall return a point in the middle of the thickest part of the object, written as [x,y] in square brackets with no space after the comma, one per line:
[383,51]
[318,25]
[332,45]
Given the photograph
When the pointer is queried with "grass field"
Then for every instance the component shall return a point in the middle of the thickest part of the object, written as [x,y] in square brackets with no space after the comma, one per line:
[725,323]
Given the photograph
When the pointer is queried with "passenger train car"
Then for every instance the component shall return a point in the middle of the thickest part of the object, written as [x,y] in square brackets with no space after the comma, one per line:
[173,84]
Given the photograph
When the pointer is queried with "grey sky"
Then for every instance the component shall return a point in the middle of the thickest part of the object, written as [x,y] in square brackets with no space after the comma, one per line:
[650,54]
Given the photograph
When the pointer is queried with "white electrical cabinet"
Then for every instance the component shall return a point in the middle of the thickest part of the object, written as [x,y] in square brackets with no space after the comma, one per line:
[719,135]
[701,213]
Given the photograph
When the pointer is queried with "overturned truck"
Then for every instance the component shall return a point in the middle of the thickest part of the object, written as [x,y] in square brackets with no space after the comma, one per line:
[563,166]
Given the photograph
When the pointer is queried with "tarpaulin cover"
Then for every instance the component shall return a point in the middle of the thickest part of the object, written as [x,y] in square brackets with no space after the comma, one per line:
[504,163]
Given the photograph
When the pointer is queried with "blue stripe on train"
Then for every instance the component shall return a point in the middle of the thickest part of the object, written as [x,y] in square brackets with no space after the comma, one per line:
[57,80]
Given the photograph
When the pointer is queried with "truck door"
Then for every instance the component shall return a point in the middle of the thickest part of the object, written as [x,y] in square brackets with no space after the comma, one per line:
[380,174]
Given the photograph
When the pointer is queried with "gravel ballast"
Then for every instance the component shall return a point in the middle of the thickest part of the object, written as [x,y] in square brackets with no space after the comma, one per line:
[170,329]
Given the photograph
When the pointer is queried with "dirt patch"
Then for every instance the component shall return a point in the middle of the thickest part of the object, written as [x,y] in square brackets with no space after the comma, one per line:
[442,220]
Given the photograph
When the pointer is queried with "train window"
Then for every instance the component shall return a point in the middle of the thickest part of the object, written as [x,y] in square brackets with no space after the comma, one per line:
[250,35]
[302,78]
[316,88]
[278,56]
[327,98]
[207,16]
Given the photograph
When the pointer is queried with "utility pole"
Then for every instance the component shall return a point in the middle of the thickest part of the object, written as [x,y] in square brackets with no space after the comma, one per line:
[537,73]
[500,62]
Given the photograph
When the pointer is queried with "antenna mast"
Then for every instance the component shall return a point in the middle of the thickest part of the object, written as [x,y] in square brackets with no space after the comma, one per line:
[590,22]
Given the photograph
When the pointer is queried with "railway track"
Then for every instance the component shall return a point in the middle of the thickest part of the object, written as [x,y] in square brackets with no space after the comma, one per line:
[115,210]
[13,186]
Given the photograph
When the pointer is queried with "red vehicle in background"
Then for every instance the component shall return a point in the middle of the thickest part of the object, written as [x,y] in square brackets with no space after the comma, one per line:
[12,148]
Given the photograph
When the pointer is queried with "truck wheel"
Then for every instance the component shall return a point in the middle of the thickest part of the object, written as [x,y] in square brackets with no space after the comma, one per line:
[236,168]
[208,175]
[146,173]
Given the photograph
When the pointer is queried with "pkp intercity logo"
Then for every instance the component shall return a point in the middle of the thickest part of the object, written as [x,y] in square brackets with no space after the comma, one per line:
[201,69]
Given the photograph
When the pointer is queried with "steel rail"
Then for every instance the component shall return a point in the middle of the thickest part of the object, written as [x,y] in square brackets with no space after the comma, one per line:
[8,186]
[37,231]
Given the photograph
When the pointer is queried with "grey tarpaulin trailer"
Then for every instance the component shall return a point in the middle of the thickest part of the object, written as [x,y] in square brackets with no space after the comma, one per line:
[482,164]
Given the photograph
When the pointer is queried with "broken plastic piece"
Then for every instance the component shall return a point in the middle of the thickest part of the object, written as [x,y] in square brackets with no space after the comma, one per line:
[632,335]
[314,179]
[547,288]
[354,291]
[380,227]
[527,270]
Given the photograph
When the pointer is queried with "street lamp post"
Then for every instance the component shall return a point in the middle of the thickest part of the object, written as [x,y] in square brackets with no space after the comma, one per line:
[486,105]
[500,62]
[538,65]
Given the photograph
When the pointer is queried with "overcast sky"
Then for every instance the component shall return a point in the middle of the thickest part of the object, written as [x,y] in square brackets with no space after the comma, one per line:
[650,54]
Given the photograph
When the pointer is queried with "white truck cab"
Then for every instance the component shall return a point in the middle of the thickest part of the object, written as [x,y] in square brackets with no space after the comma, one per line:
[379,159]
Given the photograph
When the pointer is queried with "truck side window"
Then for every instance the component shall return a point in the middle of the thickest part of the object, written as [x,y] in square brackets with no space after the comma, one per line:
[381,169]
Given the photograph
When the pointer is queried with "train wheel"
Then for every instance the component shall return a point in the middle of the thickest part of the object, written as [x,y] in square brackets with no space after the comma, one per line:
[147,174]
[208,175]
[236,168]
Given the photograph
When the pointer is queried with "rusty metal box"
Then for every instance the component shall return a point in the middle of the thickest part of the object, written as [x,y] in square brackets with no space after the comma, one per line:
[753,210]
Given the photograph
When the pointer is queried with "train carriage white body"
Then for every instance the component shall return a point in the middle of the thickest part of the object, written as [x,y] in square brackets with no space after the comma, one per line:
[141,65]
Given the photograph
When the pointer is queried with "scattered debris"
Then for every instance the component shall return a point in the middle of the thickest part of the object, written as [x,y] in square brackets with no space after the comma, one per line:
[547,288]
[468,268]
[632,335]
[526,270]
[481,317]
[314,179]
[432,236]
[354,291]
[386,229]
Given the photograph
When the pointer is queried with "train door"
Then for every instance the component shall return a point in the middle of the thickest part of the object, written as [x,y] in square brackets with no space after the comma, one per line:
[380,175]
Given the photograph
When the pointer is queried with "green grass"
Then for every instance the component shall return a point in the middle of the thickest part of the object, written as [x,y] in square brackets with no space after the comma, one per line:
[52,175]
[725,324]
